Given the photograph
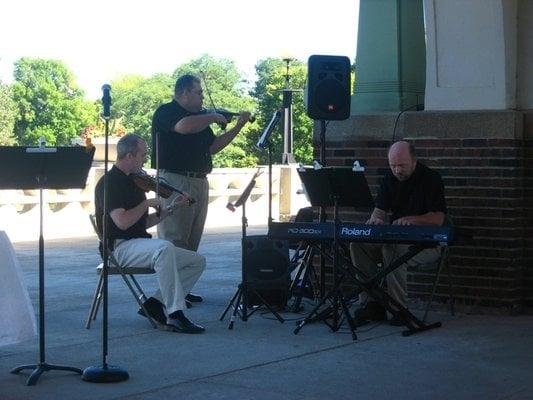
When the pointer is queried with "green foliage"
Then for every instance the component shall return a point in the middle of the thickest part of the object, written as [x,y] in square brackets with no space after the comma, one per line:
[7,116]
[271,80]
[135,100]
[49,103]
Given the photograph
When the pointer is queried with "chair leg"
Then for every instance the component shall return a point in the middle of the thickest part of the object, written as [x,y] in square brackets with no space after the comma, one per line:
[137,298]
[94,303]
[140,291]
[433,290]
[450,288]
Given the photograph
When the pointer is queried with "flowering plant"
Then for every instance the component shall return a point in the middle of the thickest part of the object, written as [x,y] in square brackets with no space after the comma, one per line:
[116,129]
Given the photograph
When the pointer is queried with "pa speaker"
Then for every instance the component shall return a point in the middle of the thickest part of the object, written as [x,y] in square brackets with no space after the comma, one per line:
[328,87]
[266,265]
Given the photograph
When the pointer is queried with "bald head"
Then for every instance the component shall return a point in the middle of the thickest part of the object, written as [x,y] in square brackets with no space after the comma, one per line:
[402,160]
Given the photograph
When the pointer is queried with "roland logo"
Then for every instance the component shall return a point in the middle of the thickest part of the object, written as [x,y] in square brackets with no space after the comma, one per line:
[354,232]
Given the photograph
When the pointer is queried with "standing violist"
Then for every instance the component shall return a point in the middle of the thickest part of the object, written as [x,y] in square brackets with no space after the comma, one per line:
[182,147]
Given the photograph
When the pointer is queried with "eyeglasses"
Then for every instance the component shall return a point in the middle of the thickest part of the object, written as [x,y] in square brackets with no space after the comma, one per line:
[198,92]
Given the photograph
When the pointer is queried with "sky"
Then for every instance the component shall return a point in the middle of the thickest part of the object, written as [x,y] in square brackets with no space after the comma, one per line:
[99,40]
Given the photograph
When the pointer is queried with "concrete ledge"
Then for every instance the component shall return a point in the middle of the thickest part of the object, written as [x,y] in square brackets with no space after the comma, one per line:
[436,124]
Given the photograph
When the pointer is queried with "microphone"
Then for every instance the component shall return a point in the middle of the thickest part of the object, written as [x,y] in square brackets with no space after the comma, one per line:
[263,140]
[106,100]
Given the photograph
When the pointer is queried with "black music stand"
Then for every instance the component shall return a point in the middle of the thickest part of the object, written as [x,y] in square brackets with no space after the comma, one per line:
[44,168]
[239,301]
[343,185]
[335,187]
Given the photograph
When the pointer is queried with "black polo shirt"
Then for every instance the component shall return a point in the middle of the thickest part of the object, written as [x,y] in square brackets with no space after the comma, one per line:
[122,193]
[180,152]
[423,192]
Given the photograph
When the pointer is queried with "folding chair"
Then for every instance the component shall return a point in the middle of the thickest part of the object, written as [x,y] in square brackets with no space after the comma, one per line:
[127,275]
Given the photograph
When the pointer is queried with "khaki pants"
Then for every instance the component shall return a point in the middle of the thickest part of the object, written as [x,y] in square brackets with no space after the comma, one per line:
[185,226]
[366,256]
[177,269]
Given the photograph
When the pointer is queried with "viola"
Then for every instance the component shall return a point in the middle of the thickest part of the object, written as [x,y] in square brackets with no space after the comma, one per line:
[148,183]
[229,115]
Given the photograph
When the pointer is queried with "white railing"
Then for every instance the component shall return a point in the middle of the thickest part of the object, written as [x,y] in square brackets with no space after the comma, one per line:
[65,212]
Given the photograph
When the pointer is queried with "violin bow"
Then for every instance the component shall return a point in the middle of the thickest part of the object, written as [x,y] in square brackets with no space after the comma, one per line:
[202,74]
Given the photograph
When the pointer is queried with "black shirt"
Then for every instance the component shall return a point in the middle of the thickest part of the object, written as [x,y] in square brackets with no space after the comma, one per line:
[180,152]
[423,192]
[122,192]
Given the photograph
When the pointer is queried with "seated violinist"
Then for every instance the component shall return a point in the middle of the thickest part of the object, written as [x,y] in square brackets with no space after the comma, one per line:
[177,269]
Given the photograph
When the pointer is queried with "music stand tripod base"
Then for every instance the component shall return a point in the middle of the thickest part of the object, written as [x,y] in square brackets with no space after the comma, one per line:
[239,301]
[105,374]
[38,369]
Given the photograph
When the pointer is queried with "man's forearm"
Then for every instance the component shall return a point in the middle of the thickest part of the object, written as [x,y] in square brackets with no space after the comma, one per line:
[124,219]
[223,140]
[430,218]
[378,216]
[153,219]
[194,123]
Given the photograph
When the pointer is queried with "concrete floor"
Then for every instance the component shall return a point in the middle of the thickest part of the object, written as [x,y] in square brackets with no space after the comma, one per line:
[470,357]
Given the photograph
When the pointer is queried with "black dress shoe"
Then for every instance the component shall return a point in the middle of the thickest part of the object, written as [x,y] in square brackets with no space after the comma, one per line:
[194,298]
[372,311]
[180,323]
[155,309]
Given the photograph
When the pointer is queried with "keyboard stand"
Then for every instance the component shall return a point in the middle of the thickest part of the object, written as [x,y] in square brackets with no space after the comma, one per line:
[371,286]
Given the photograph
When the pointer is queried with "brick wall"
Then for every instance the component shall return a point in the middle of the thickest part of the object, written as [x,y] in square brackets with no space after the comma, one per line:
[486,163]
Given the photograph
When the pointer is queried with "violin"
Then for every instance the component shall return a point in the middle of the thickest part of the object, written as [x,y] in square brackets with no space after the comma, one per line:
[225,113]
[148,183]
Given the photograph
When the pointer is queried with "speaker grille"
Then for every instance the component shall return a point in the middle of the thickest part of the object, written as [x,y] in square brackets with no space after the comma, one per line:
[331,97]
[266,260]
[328,87]
[267,270]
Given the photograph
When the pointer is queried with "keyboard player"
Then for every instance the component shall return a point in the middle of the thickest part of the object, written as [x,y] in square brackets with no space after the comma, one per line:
[410,194]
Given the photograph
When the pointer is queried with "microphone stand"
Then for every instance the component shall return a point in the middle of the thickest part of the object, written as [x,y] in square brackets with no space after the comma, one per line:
[322,209]
[105,373]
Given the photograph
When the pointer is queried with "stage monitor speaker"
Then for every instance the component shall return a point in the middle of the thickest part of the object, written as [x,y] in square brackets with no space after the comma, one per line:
[267,270]
[328,87]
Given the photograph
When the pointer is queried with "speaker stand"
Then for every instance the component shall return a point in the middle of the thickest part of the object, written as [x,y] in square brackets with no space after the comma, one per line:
[239,301]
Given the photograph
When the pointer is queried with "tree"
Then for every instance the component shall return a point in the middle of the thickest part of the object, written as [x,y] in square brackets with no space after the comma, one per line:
[268,88]
[49,103]
[7,116]
[135,99]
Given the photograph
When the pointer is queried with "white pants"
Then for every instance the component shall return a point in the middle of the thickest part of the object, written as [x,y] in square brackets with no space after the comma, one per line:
[177,269]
